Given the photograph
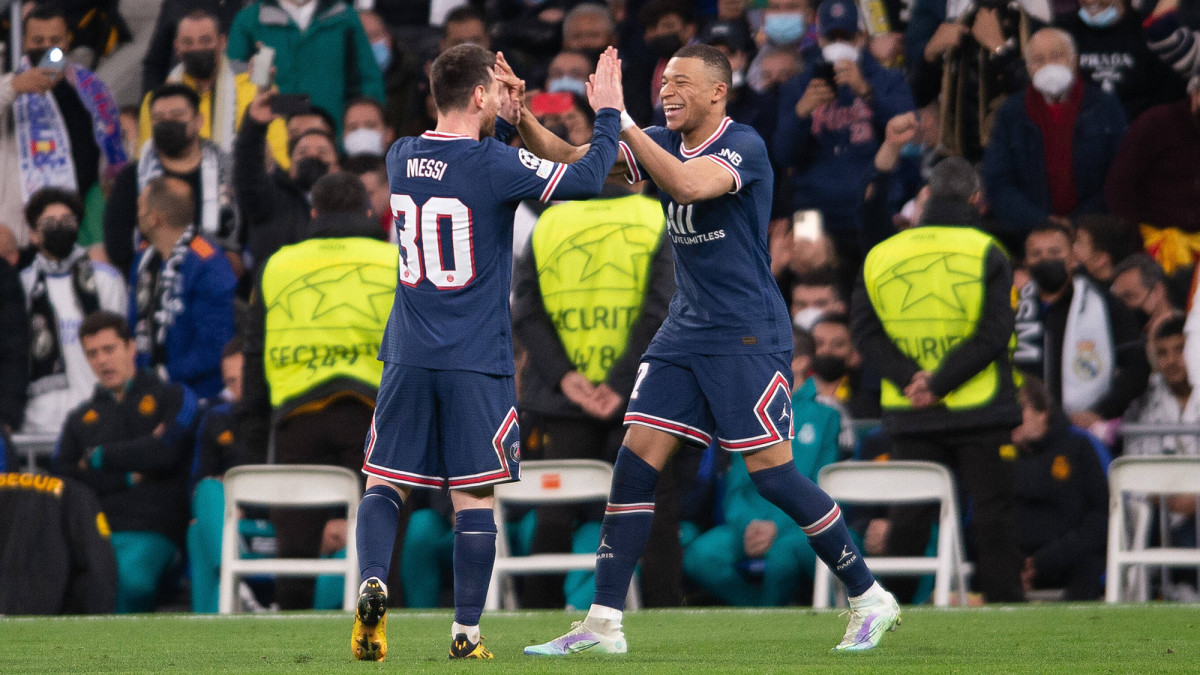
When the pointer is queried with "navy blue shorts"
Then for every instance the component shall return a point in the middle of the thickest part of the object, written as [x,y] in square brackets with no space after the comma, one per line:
[444,428]
[745,399]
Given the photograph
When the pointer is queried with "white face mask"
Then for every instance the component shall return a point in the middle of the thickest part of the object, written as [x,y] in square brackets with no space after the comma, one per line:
[839,51]
[1053,80]
[805,318]
[363,142]
[739,79]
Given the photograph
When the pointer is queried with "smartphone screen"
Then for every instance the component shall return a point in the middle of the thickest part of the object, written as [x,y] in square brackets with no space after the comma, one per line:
[807,225]
[54,59]
[290,104]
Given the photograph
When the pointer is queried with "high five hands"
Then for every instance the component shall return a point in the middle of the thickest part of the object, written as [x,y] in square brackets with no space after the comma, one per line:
[604,86]
[510,104]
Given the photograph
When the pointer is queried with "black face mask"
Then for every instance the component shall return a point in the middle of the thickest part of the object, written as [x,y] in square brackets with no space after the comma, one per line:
[664,46]
[828,368]
[59,240]
[170,137]
[35,55]
[1050,275]
[308,171]
[199,64]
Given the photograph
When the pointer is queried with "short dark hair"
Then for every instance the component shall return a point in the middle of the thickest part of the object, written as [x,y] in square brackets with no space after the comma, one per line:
[102,320]
[44,11]
[1049,227]
[367,101]
[233,348]
[311,132]
[953,178]
[340,192]
[317,110]
[804,343]
[172,197]
[360,165]
[714,59]
[40,200]
[822,275]
[832,317]
[176,89]
[1149,271]
[655,10]
[1111,234]
[1172,326]
[464,14]
[200,15]
[455,74]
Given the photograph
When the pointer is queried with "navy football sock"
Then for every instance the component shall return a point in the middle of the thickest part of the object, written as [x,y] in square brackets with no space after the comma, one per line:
[626,528]
[820,518]
[474,553]
[378,516]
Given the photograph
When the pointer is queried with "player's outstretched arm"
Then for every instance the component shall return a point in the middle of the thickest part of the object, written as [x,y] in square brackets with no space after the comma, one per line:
[687,182]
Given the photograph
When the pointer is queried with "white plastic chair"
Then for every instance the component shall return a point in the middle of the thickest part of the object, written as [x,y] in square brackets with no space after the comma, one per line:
[544,483]
[901,482]
[288,485]
[1149,475]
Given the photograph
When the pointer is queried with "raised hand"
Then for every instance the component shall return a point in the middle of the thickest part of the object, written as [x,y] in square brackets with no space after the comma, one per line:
[901,129]
[604,86]
[510,106]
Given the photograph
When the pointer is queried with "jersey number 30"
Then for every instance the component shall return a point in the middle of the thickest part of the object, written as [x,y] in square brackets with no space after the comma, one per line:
[426,259]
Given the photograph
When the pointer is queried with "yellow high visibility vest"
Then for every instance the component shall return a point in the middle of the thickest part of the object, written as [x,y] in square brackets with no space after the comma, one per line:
[327,302]
[927,287]
[593,262]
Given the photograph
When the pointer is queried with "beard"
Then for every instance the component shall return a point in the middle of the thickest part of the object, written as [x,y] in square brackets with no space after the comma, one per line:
[487,127]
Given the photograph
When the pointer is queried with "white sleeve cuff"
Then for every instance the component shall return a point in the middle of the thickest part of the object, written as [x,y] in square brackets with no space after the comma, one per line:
[737,177]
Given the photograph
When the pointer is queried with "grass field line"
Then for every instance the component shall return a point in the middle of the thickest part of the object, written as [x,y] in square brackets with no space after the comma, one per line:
[517,614]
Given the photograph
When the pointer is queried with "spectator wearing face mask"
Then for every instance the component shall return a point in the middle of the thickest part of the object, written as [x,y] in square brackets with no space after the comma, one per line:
[839,374]
[788,26]
[1051,144]
[175,149]
[568,73]
[1140,284]
[276,205]
[1114,56]
[366,131]
[1076,336]
[832,117]
[62,286]
[400,68]
[199,47]
[156,64]
[669,25]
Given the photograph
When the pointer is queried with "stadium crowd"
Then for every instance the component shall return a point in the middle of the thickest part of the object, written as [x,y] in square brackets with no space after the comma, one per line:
[200,278]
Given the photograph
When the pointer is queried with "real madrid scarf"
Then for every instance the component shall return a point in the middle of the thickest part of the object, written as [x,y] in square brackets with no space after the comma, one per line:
[1088,356]
[47,367]
[158,301]
[43,146]
[218,217]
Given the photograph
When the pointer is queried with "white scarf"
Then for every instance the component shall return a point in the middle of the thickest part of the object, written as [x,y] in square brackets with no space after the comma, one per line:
[149,167]
[1087,354]
[224,103]
[1038,9]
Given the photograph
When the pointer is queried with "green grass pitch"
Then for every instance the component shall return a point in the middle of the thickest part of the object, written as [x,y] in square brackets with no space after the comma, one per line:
[1046,638]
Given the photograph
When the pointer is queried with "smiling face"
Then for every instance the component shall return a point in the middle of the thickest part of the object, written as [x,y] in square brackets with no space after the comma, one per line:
[688,93]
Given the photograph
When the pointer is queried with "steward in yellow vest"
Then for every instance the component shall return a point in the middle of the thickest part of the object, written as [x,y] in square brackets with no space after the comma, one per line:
[933,304]
[932,313]
[317,317]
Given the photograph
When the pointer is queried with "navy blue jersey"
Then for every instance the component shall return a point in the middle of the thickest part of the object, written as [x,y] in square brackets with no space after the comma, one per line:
[453,199]
[726,300]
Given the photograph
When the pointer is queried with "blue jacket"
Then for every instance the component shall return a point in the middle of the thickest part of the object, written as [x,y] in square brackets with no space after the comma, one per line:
[205,324]
[833,152]
[1014,168]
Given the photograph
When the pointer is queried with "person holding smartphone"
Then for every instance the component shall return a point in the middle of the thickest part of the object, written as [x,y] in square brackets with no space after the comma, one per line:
[59,126]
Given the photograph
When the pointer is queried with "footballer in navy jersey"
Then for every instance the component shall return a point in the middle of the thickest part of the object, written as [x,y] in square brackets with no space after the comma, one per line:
[445,416]
[720,366]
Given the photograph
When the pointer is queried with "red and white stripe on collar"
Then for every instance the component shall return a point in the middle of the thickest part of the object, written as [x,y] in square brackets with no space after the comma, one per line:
[443,136]
[716,134]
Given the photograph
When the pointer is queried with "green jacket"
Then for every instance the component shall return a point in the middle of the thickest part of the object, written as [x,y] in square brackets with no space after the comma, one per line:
[331,61]
[815,445]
